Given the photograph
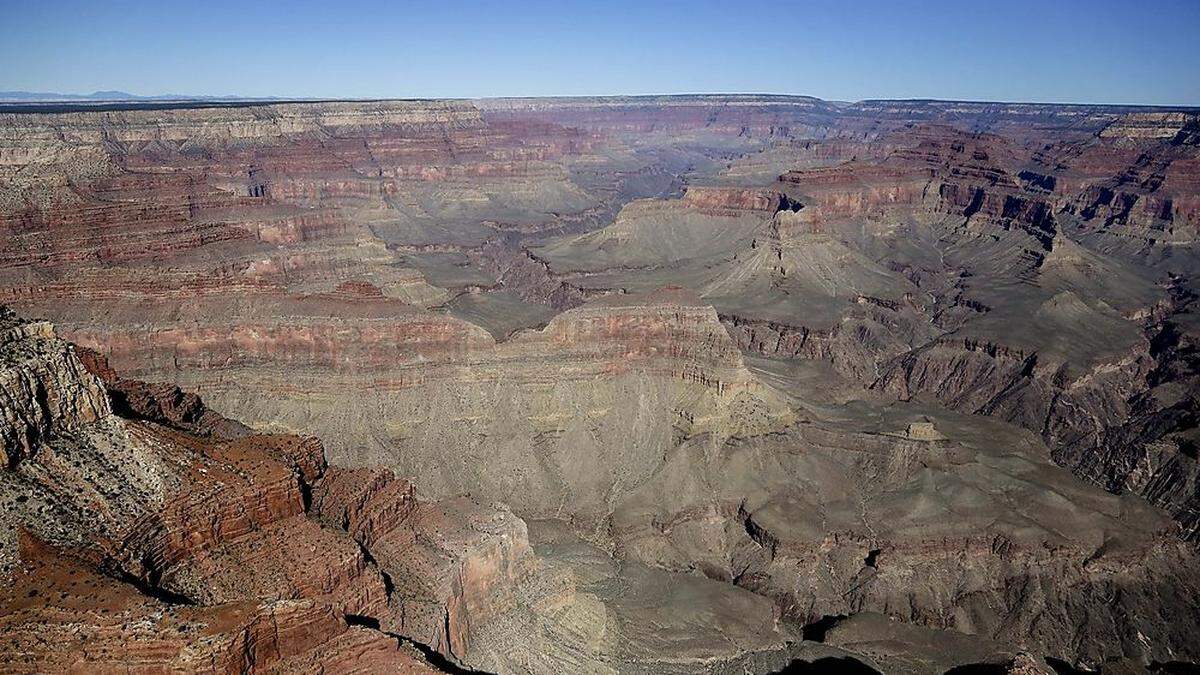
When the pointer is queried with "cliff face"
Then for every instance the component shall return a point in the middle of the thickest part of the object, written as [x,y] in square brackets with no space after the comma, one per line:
[51,624]
[662,360]
[85,187]
[44,388]
[1154,196]
[163,549]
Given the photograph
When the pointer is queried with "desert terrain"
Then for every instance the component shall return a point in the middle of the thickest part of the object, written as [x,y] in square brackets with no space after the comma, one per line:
[659,384]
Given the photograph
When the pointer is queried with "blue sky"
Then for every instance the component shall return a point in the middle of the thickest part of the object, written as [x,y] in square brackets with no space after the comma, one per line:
[1099,51]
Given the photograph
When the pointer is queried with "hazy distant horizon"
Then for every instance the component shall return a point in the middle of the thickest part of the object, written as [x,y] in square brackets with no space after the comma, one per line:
[100,96]
[1101,52]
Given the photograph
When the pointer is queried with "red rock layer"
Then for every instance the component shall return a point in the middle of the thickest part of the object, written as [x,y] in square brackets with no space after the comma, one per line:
[60,616]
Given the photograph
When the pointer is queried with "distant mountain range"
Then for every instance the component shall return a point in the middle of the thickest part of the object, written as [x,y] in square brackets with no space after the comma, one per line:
[43,96]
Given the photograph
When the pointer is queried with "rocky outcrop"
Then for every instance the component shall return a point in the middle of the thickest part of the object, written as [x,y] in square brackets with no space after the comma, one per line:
[1148,125]
[60,616]
[196,550]
[1089,401]
[443,586]
[857,347]
[163,403]
[519,269]
[44,388]
[722,201]
[1125,424]
[1149,190]
[936,169]
[662,359]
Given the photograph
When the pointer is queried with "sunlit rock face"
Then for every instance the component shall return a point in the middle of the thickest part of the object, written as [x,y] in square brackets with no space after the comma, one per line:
[630,384]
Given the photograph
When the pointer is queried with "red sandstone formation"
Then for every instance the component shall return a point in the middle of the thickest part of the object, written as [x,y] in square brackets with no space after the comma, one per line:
[63,616]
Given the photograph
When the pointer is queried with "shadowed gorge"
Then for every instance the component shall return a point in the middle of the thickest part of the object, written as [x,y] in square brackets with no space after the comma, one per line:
[646,384]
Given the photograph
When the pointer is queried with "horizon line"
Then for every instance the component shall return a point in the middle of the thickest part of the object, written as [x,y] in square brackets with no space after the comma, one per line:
[183,99]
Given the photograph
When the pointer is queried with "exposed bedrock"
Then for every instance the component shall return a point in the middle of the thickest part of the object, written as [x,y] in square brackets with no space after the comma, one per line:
[46,389]
[1155,193]
[574,413]
[816,520]
[1114,400]
[532,279]
[932,170]
[135,545]
[831,522]
[1126,424]
[61,616]
[149,542]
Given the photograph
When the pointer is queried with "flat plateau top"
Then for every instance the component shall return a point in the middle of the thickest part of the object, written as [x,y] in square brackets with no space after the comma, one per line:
[178,104]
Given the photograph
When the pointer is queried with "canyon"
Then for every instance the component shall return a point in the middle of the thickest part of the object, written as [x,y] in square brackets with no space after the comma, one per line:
[705,383]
